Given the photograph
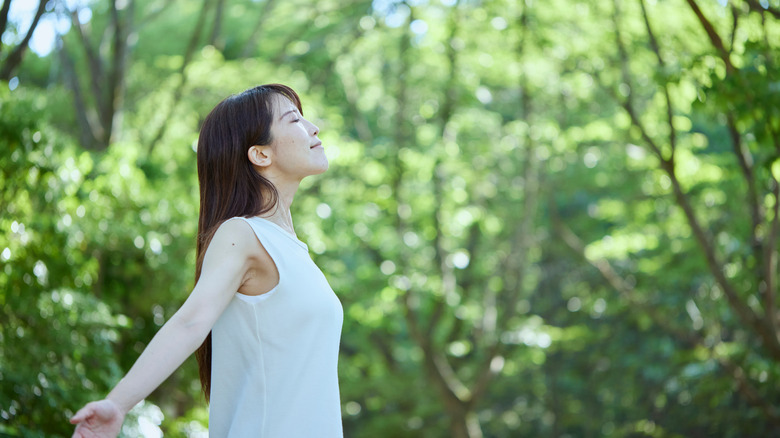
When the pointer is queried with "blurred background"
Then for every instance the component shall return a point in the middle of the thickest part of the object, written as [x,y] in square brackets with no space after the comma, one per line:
[543,218]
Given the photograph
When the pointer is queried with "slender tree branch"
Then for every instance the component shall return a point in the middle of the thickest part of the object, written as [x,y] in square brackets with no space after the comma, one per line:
[734,26]
[251,43]
[747,390]
[449,281]
[771,252]
[178,92]
[4,18]
[664,86]
[385,344]
[486,372]
[715,39]
[623,287]
[770,262]
[743,155]
[745,160]
[449,285]
[409,300]
[154,14]
[628,101]
[350,87]
[447,373]
[461,327]
[16,55]
[516,260]
[686,337]
[743,311]
[756,6]
[513,262]
[217,25]
[87,130]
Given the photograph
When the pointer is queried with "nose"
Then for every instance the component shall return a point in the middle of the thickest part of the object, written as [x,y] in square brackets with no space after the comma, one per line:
[313,128]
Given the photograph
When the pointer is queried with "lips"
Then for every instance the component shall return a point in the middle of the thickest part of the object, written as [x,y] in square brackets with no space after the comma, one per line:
[316,145]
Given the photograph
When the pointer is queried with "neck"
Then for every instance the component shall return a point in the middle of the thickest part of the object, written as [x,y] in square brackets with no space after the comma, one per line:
[280,214]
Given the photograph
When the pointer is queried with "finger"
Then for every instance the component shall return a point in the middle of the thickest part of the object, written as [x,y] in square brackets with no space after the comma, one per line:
[82,415]
[78,433]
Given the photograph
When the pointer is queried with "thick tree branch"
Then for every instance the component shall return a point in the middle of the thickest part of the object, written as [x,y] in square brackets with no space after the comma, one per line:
[118,68]
[449,281]
[516,260]
[95,66]
[451,389]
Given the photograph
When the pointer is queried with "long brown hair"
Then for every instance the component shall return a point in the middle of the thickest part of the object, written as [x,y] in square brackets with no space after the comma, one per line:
[229,184]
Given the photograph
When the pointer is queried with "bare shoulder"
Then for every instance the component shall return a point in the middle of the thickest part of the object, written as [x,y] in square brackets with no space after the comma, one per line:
[234,229]
[237,236]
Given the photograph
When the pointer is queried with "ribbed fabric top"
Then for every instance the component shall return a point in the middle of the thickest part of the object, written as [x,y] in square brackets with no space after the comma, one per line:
[274,356]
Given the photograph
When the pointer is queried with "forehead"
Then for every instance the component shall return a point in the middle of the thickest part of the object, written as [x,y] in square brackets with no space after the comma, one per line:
[283,105]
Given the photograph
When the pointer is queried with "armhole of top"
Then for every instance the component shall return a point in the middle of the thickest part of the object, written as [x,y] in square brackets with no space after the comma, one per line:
[260,239]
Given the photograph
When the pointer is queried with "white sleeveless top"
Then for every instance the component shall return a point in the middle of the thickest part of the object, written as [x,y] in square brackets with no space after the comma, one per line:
[274,356]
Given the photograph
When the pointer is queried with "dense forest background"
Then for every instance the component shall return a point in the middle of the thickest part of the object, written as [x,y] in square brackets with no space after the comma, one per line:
[543,218]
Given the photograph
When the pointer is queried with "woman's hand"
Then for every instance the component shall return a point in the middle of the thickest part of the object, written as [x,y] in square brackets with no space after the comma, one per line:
[100,419]
[233,251]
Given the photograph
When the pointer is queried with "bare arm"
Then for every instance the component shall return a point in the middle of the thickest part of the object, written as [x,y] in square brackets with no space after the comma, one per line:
[229,257]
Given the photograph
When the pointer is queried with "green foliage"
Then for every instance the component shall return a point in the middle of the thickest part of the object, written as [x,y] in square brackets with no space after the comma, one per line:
[55,332]
[506,204]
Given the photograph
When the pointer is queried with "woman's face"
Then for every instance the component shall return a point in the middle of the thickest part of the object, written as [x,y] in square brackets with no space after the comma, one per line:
[297,151]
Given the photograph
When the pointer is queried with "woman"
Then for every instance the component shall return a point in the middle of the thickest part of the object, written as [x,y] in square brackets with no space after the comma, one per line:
[267,323]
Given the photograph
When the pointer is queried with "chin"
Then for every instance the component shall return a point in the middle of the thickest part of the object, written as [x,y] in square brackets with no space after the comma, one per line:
[315,171]
[322,167]
[322,170]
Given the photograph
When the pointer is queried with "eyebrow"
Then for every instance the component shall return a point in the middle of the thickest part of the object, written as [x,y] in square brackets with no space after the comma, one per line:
[288,112]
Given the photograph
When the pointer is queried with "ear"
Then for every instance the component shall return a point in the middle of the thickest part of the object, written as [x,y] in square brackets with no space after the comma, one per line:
[260,156]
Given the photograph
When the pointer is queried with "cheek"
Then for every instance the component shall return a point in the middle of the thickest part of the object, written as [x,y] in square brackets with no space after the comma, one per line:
[283,143]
